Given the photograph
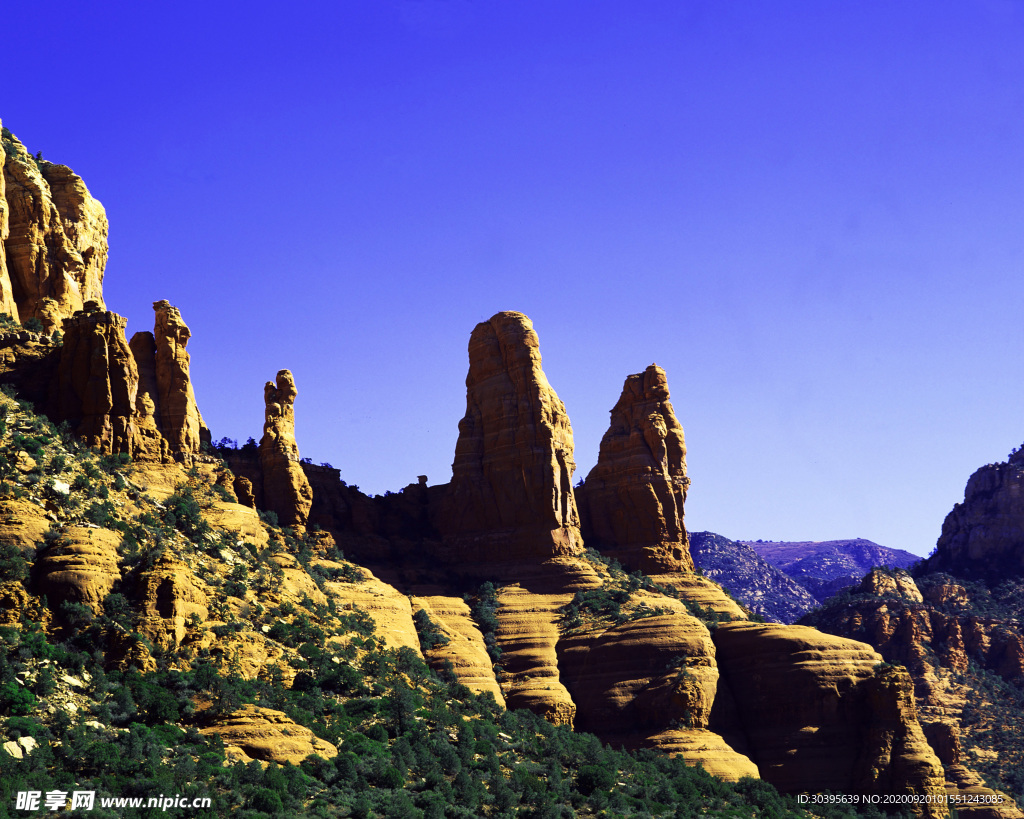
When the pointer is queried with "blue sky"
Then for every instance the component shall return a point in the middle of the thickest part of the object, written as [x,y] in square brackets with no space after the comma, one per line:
[810,214]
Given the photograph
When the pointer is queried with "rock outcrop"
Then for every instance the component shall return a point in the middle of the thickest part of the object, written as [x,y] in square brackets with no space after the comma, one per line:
[933,628]
[511,490]
[631,503]
[54,236]
[983,537]
[814,714]
[81,567]
[133,398]
[170,595]
[98,381]
[286,491]
[651,682]
[269,736]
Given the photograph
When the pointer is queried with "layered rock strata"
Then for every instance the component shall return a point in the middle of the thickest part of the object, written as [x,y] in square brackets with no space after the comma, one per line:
[651,682]
[81,567]
[286,490]
[269,736]
[813,714]
[631,503]
[511,490]
[54,238]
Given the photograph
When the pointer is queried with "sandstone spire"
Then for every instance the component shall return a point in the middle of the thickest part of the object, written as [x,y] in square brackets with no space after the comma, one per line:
[286,490]
[179,417]
[54,235]
[511,492]
[632,501]
[97,380]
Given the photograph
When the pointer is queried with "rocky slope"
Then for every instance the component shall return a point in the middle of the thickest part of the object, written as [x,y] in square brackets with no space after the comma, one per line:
[827,567]
[751,579]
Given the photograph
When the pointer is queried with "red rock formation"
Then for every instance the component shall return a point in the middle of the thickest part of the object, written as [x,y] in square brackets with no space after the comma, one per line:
[97,381]
[631,504]
[816,716]
[511,490]
[286,490]
[180,420]
[983,536]
[55,237]
[151,444]
[81,567]
[7,302]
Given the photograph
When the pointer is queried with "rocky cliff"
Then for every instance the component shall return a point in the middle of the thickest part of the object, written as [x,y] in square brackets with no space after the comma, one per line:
[631,503]
[156,563]
[54,238]
[947,638]
[983,537]
[133,399]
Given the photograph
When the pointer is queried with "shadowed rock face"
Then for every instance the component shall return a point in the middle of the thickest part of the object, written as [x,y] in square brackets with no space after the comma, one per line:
[98,381]
[511,491]
[286,490]
[632,501]
[983,537]
[54,235]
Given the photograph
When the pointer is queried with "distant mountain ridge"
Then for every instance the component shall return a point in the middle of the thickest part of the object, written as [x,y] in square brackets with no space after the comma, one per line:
[825,568]
[760,586]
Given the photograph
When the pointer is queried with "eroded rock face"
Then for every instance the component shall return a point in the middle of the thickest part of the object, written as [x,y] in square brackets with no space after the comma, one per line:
[815,715]
[170,595]
[55,237]
[128,398]
[268,735]
[180,421]
[97,381]
[631,504]
[81,567]
[511,490]
[983,537]
[465,650]
[286,490]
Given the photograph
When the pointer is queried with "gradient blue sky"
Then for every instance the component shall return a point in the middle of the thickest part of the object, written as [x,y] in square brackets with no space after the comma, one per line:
[811,214]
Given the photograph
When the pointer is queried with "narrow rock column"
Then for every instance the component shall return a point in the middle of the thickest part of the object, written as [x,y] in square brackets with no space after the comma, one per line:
[97,380]
[511,493]
[179,417]
[286,490]
[632,501]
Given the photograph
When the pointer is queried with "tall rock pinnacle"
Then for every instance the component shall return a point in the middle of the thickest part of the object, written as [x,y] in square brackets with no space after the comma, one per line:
[180,421]
[286,489]
[632,501]
[511,492]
